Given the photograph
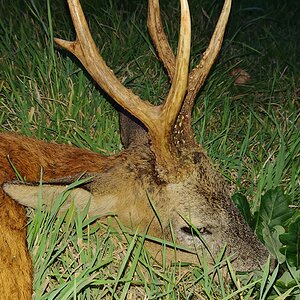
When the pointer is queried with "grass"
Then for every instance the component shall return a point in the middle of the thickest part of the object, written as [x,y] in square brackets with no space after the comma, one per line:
[251,131]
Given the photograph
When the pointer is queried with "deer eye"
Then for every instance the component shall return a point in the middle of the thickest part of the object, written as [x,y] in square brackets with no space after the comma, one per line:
[189,230]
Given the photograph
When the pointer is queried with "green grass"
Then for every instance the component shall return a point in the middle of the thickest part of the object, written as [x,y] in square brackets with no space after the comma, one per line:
[251,131]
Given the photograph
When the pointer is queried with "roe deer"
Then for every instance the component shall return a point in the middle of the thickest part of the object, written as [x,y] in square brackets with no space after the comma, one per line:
[161,160]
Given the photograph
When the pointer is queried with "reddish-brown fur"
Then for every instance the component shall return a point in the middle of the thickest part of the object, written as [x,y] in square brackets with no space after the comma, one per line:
[28,156]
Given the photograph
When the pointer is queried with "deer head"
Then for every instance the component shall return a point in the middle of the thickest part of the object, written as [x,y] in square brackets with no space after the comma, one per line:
[162,169]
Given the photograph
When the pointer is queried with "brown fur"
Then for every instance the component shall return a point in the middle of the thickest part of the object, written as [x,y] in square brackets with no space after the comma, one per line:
[28,156]
[15,269]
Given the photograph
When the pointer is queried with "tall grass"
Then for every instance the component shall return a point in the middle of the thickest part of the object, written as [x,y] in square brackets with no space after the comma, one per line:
[250,131]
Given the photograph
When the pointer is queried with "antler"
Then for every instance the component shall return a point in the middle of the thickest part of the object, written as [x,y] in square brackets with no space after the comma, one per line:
[86,51]
[198,75]
[159,37]
[158,119]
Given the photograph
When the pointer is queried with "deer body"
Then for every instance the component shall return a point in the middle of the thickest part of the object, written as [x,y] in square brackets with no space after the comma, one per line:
[28,156]
[161,162]
[119,186]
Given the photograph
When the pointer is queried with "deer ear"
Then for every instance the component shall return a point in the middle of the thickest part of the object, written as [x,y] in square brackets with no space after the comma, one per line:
[132,130]
[34,195]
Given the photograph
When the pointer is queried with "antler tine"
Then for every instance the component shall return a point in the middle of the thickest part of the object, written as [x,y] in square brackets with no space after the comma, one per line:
[86,51]
[184,131]
[200,72]
[159,38]
[174,100]
[162,139]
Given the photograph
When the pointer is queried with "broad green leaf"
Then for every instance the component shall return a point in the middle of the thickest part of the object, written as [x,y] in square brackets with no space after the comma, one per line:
[291,242]
[288,279]
[274,210]
[272,241]
[275,207]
